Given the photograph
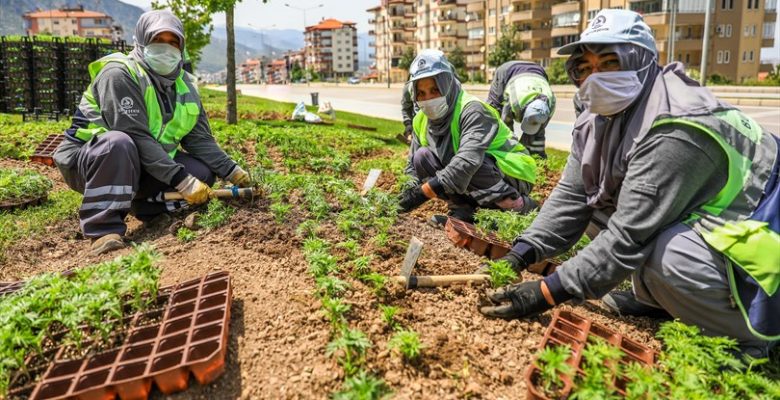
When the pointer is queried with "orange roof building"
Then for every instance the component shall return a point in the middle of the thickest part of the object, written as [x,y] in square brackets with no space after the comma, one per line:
[72,21]
[331,48]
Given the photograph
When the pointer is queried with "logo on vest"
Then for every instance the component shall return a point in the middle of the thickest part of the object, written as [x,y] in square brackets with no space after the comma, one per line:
[126,106]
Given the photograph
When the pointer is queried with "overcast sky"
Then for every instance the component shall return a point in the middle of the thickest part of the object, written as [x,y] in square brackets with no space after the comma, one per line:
[274,12]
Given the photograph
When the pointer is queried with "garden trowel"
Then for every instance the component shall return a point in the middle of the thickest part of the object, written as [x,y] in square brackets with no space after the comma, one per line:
[371,179]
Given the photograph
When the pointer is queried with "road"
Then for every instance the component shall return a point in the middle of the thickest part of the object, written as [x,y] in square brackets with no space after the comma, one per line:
[386,103]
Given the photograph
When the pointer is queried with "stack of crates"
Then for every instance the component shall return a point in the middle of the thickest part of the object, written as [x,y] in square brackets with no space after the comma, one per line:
[45,73]
[17,93]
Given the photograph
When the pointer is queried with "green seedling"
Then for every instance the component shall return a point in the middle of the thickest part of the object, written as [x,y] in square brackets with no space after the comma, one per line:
[350,349]
[335,310]
[315,245]
[361,265]
[362,386]
[506,224]
[601,367]
[645,383]
[322,264]
[20,184]
[328,286]
[388,316]
[377,281]
[280,211]
[185,234]
[553,368]
[217,214]
[501,273]
[406,342]
[352,248]
[307,229]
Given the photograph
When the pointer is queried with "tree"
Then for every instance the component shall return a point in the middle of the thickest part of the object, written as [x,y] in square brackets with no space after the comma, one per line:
[406,58]
[556,72]
[506,47]
[229,7]
[458,61]
[196,17]
[296,73]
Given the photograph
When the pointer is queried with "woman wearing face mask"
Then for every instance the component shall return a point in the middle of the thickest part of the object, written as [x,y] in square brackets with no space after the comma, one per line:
[122,149]
[461,148]
[680,190]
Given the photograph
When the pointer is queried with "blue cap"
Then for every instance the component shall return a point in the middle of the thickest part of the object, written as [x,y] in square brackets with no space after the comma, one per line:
[611,26]
[429,62]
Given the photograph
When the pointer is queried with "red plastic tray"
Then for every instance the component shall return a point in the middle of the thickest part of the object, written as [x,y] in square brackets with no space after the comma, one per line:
[568,328]
[188,334]
[44,153]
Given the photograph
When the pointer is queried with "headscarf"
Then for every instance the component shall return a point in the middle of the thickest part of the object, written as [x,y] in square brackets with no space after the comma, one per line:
[151,24]
[602,143]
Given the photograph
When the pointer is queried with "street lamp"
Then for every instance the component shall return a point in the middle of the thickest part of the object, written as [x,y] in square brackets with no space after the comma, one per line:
[304,9]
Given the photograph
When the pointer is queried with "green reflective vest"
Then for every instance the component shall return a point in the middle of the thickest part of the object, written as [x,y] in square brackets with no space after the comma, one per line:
[185,115]
[724,221]
[511,157]
[524,88]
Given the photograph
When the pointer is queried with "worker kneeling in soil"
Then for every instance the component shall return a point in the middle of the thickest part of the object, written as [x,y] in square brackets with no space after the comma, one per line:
[121,150]
[521,92]
[461,149]
[683,187]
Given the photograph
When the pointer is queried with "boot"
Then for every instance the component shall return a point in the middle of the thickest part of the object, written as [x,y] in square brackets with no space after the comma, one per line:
[107,243]
[462,212]
[623,302]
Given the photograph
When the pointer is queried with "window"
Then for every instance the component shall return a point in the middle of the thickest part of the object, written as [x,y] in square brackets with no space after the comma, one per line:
[752,4]
[492,12]
[744,56]
[479,33]
[592,14]
[728,30]
[769,30]
[56,22]
[719,57]
[687,58]
[753,30]
[750,56]
[505,10]
[73,21]
[566,19]
[770,5]
[720,30]
[492,30]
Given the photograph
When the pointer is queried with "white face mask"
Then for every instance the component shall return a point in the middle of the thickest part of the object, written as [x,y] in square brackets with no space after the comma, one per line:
[162,58]
[434,108]
[609,93]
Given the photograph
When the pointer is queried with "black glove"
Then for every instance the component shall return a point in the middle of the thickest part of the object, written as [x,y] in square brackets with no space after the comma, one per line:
[521,300]
[412,198]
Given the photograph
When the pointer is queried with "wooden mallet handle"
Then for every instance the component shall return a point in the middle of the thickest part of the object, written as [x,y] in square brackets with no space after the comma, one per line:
[417,281]
[219,193]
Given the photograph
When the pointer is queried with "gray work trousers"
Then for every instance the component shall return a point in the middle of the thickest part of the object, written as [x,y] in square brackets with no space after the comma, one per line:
[486,187]
[107,170]
[687,278]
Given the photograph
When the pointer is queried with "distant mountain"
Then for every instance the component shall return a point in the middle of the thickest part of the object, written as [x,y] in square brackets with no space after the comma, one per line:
[12,23]
[266,40]
[214,56]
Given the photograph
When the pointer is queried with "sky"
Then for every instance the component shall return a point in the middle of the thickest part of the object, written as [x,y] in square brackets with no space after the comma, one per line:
[256,14]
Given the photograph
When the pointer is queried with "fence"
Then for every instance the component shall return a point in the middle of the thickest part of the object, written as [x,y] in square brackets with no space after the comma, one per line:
[46,74]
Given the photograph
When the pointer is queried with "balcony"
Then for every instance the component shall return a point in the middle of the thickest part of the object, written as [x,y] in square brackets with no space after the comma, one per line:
[474,24]
[534,34]
[562,8]
[445,4]
[534,54]
[529,15]
[565,30]
[767,42]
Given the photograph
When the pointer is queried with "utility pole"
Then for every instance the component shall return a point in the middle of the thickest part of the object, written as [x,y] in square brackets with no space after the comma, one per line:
[706,45]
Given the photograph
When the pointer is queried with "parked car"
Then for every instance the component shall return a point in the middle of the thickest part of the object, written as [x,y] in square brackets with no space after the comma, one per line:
[353,80]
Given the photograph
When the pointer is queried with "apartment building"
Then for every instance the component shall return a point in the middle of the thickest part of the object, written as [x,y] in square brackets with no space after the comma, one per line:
[394,25]
[250,71]
[72,21]
[331,48]
[740,28]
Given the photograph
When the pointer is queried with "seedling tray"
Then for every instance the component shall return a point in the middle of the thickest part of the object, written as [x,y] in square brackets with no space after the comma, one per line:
[188,334]
[568,328]
[44,153]
[23,203]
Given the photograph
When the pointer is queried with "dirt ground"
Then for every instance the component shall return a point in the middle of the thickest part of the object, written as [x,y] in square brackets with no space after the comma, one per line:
[278,333]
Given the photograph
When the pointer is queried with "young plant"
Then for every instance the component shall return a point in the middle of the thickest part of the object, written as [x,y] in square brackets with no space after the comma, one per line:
[335,310]
[328,286]
[350,349]
[553,368]
[352,248]
[501,273]
[217,214]
[20,184]
[185,234]
[361,266]
[645,383]
[388,316]
[377,282]
[506,224]
[362,386]
[601,367]
[406,342]
[307,229]
[280,211]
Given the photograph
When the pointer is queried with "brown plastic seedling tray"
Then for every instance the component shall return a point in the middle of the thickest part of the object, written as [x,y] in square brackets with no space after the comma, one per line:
[23,203]
[44,153]
[568,328]
[490,245]
[187,334]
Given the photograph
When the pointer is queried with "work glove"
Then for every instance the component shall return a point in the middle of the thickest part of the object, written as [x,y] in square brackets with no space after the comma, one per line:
[412,198]
[519,300]
[193,190]
[239,177]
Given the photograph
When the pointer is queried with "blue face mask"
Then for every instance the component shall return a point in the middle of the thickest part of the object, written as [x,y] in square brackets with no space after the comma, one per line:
[162,58]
